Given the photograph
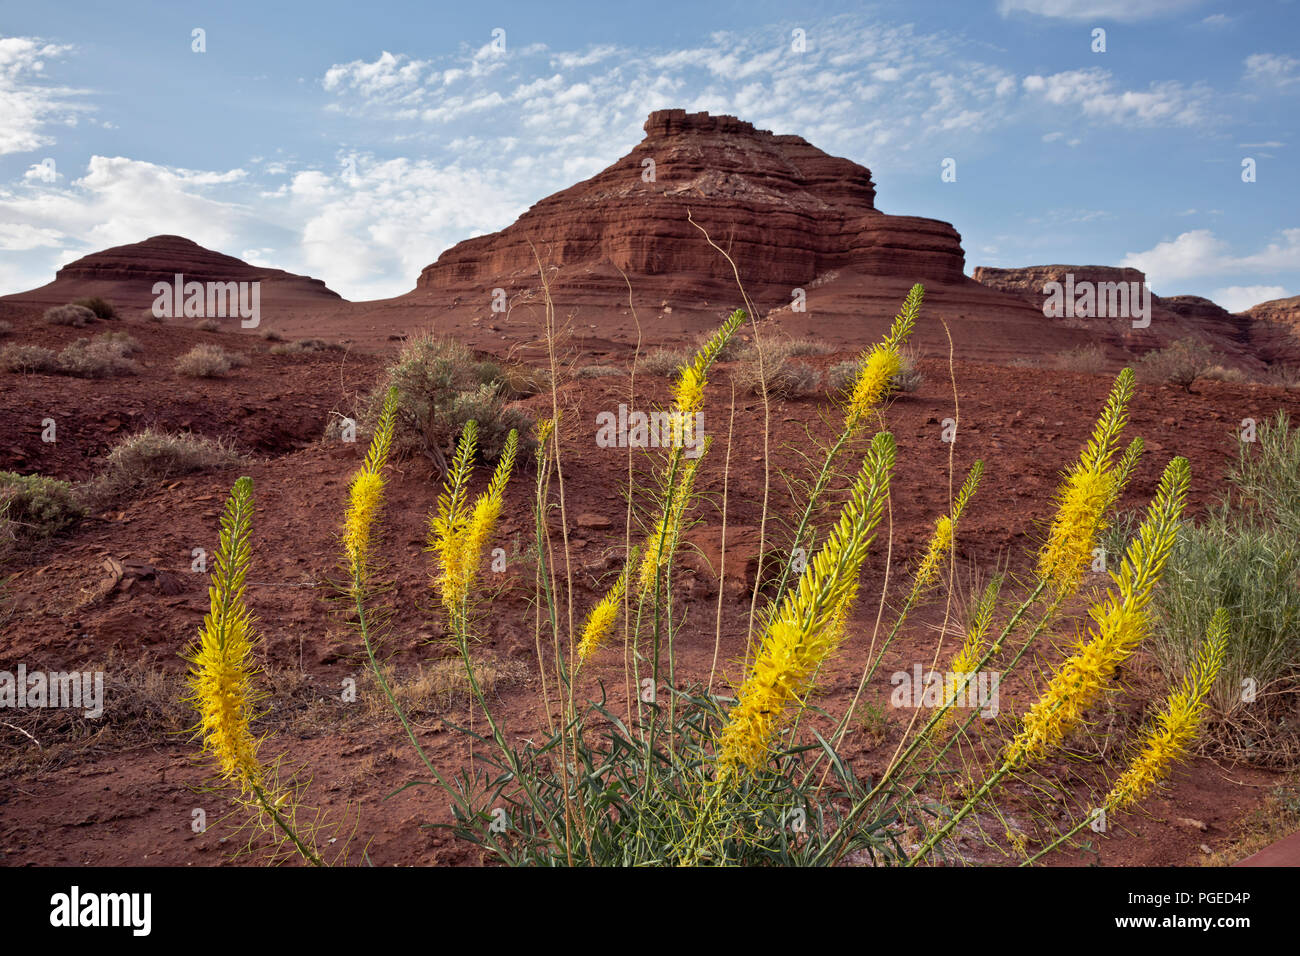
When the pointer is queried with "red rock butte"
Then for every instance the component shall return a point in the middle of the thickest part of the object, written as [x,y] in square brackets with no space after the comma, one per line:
[126,275]
[784,210]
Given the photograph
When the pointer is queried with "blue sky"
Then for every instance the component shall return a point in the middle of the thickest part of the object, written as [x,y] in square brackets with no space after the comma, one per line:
[356,142]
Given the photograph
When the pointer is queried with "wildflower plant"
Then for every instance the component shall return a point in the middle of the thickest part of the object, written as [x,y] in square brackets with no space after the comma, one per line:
[224,690]
[675,774]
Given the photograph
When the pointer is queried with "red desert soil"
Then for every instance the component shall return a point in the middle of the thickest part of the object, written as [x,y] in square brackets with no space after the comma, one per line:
[127,800]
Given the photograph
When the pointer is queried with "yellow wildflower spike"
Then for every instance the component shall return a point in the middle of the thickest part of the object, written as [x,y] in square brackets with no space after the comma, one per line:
[222,670]
[882,362]
[453,512]
[366,493]
[600,622]
[807,626]
[1171,736]
[1120,623]
[945,529]
[689,395]
[662,543]
[1090,489]
[487,509]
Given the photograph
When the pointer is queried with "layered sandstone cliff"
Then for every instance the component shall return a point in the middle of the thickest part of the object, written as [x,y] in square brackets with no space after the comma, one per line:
[784,210]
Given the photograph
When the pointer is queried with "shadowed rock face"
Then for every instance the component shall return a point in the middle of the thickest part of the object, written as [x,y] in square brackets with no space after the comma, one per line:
[1275,326]
[786,212]
[126,274]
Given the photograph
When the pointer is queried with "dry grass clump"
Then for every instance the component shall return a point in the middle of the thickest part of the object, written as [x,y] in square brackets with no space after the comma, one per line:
[444,684]
[5,328]
[270,334]
[909,376]
[74,315]
[34,508]
[209,361]
[662,361]
[1283,376]
[787,378]
[208,325]
[1086,360]
[1221,373]
[299,346]
[104,356]
[102,308]
[28,358]
[597,371]
[151,456]
[1181,363]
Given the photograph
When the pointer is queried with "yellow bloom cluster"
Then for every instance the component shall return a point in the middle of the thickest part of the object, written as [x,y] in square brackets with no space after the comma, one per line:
[366,493]
[691,378]
[1091,488]
[600,623]
[878,366]
[1175,729]
[1120,622]
[222,671]
[662,542]
[458,533]
[807,627]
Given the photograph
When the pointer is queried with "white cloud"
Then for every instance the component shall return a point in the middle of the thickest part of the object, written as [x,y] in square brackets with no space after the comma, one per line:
[1239,298]
[28,107]
[1216,20]
[1200,253]
[1093,91]
[1272,68]
[1122,10]
[117,201]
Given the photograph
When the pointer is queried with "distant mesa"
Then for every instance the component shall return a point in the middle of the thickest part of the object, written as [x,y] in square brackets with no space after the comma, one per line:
[126,275]
[785,211]
[1264,334]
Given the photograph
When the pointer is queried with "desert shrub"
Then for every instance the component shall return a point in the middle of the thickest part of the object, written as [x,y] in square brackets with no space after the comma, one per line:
[104,356]
[271,335]
[5,328]
[1087,360]
[151,456]
[662,361]
[785,379]
[28,358]
[304,345]
[840,376]
[34,508]
[1283,376]
[440,386]
[102,308]
[1266,475]
[204,361]
[1251,571]
[597,371]
[123,342]
[1245,556]
[74,315]
[208,325]
[909,376]
[521,381]
[1181,363]
[802,347]
[1221,373]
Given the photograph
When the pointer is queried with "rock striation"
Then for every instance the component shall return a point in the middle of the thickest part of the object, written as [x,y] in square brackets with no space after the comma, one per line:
[126,275]
[786,211]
